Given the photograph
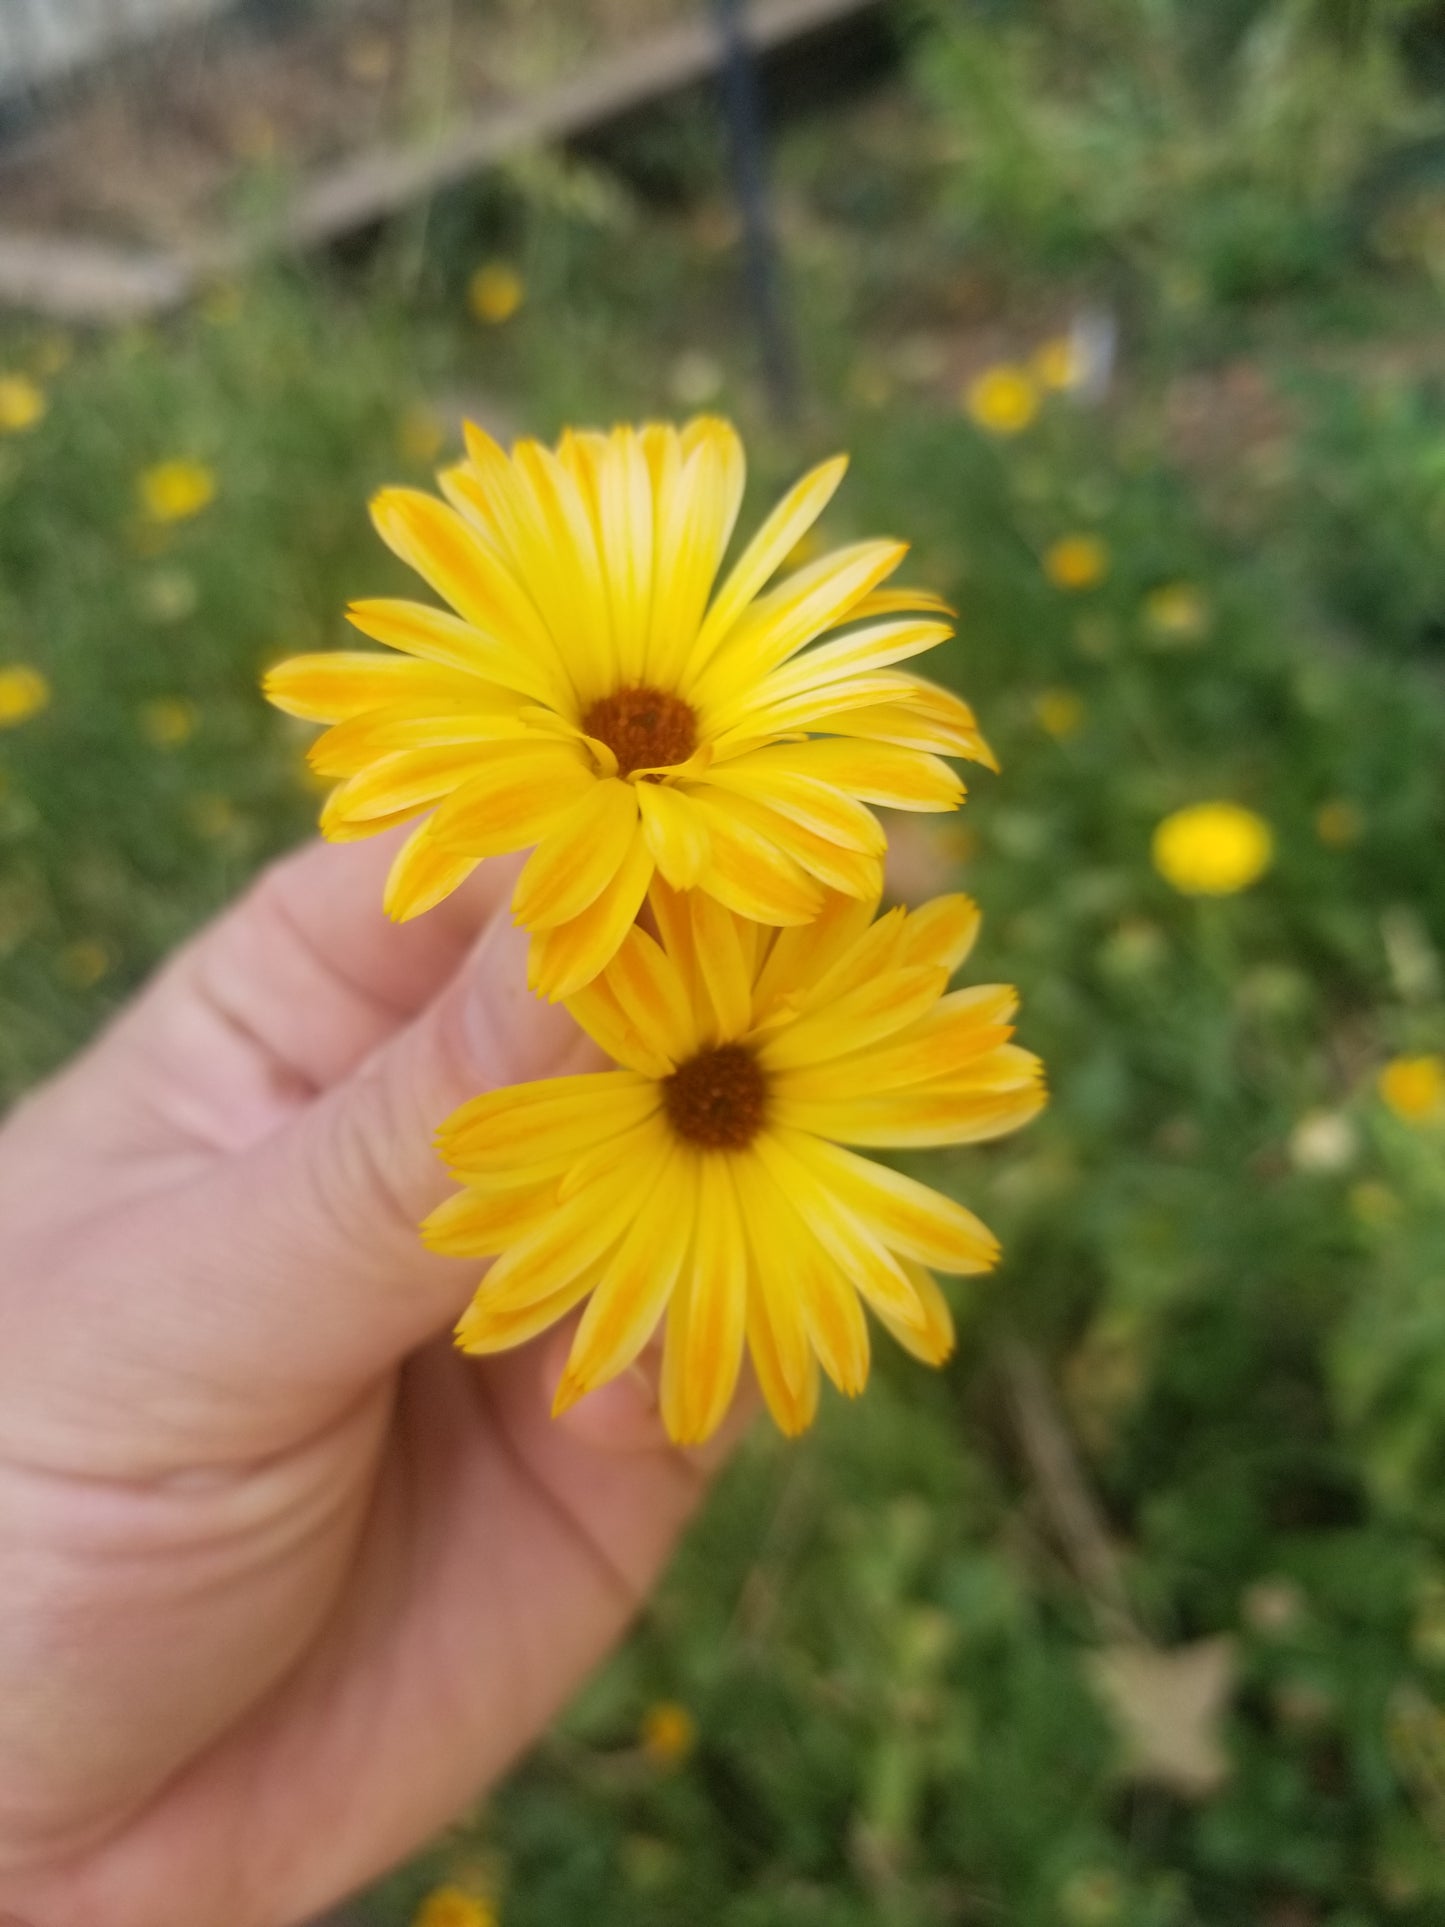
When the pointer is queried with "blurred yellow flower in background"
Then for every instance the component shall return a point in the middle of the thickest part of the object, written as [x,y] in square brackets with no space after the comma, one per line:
[24,692]
[83,963]
[1004,399]
[211,815]
[167,721]
[22,404]
[420,434]
[1059,713]
[454,1907]
[174,491]
[495,292]
[669,1733]
[1076,562]
[1338,823]
[1414,1088]
[51,353]
[1212,849]
[1058,363]
[1176,612]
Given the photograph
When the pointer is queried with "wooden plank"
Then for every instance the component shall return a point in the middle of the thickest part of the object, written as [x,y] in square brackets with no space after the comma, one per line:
[76,280]
[82,280]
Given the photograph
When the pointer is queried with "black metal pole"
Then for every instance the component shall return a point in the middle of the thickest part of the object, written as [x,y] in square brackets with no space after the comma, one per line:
[742,103]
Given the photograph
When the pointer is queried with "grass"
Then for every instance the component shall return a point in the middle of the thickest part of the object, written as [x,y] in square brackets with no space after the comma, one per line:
[1224,1254]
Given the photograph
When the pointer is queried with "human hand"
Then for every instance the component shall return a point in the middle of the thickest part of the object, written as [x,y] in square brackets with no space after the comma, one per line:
[286,1580]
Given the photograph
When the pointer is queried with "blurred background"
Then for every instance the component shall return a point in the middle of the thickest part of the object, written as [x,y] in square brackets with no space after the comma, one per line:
[1130,314]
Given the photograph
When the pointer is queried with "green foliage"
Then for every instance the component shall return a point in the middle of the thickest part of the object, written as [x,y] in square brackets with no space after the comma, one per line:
[1203,150]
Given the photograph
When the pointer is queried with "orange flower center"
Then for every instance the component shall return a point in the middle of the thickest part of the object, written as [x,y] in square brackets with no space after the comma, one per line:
[717,1098]
[644,728]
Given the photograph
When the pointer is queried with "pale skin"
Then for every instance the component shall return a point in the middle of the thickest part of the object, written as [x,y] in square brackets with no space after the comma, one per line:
[286,1582]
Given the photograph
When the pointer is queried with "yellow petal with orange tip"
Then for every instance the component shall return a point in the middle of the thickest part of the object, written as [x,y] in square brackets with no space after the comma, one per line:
[438,638]
[707,1313]
[498,1324]
[874,1270]
[764,555]
[422,875]
[342,683]
[897,602]
[649,991]
[854,1020]
[942,931]
[856,652]
[814,598]
[810,709]
[769,777]
[536,1123]
[562,960]
[916,1119]
[783,1359]
[800,956]
[909,723]
[336,827]
[676,832]
[909,1218]
[624,510]
[575,861]
[830,1308]
[751,875]
[945,1042]
[899,779]
[632,1293]
[513,797]
[446,551]
[395,787]
[347,748]
[588,1229]
[855,873]
[934,1343]
[477,1224]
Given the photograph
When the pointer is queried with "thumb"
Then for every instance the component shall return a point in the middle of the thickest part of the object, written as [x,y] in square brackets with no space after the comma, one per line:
[323,1282]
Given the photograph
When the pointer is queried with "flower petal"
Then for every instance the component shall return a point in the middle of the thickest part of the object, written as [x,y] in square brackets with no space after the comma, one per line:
[513,797]
[422,875]
[942,931]
[924,1116]
[576,860]
[847,1023]
[765,555]
[725,970]
[676,833]
[562,960]
[900,779]
[934,1344]
[752,875]
[650,991]
[707,1315]
[875,1272]
[633,1291]
[341,683]
[477,1223]
[539,1123]
[909,1218]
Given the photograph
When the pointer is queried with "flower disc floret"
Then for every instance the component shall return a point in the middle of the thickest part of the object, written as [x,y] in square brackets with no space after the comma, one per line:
[711,1182]
[601,692]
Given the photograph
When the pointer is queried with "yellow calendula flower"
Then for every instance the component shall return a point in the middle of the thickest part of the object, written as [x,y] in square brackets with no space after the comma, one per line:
[704,1181]
[1338,823]
[1003,399]
[495,292]
[174,491]
[1213,849]
[454,1907]
[22,404]
[669,1733]
[1060,713]
[1414,1088]
[597,695]
[24,692]
[1059,362]
[1076,562]
[1176,612]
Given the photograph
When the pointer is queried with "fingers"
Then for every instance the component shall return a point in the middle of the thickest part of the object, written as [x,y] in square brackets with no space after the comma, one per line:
[309,1277]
